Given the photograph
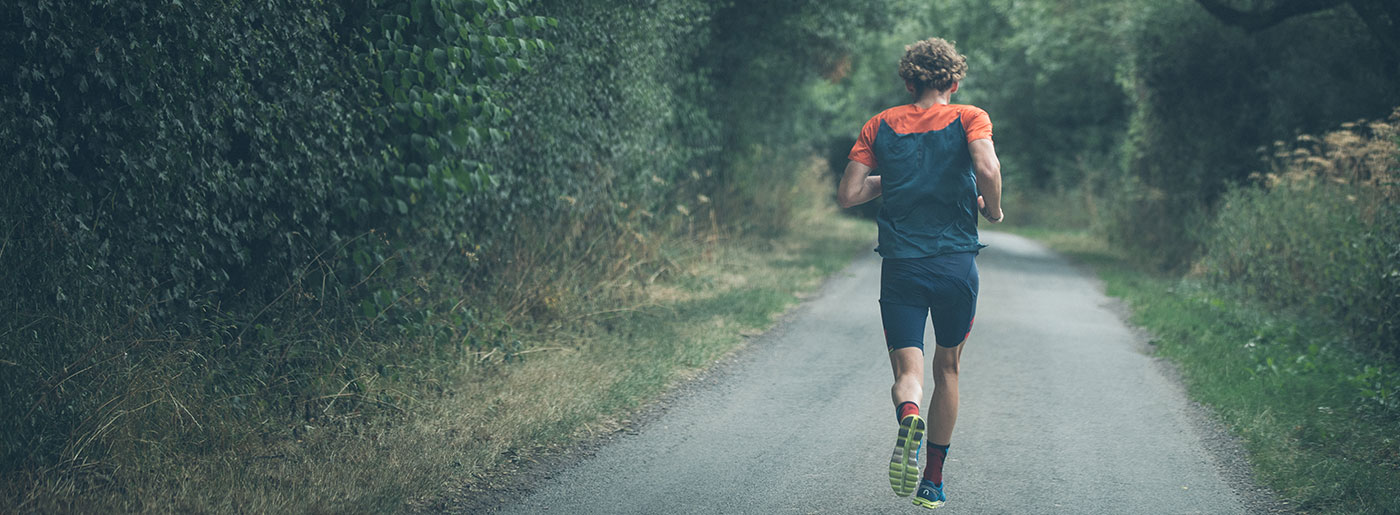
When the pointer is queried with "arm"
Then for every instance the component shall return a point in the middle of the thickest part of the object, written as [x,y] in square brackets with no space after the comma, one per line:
[857,186]
[988,172]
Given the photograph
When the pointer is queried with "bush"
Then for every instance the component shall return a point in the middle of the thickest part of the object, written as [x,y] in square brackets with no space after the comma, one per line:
[222,221]
[1321,232]
[1207,94]
[173,170]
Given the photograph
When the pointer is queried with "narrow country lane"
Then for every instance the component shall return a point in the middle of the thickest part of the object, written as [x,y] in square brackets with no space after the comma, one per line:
[1062,412]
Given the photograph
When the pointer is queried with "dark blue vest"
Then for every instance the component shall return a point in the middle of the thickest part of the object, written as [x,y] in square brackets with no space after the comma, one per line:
[930,194]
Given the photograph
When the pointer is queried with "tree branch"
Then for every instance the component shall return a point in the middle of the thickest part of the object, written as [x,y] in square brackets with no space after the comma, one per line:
[1383,18]
[1264,18]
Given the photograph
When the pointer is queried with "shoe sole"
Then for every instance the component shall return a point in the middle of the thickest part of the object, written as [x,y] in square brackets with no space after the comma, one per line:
[919,501]
[904,462]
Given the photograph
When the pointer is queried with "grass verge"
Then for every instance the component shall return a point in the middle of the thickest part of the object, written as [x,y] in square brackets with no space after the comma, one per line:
[586,382]
[1316,416]
[582,336]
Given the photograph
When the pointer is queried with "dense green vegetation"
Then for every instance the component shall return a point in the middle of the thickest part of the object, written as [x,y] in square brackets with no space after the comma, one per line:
[184,182]
[1234,92]
[1246,179]
[1144,120]
[226,224]
[1320,235]
[1248,195]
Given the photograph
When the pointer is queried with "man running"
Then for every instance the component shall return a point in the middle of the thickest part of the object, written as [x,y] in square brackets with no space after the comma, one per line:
[938,169]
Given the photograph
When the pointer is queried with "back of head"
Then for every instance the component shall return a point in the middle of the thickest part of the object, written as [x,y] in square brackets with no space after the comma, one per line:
[932,63]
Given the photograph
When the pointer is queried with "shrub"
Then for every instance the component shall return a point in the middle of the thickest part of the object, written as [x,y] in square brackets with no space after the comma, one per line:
[172,170]
[222,219]
[1206,94]
[1320,232]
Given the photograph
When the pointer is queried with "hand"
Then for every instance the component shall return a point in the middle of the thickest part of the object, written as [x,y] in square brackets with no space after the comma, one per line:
[982,208]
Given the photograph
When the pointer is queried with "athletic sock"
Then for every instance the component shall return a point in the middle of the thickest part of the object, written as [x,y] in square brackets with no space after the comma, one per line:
[934,470]
[905,409]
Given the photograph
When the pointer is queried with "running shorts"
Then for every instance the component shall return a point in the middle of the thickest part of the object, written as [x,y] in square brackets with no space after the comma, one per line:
[912,289]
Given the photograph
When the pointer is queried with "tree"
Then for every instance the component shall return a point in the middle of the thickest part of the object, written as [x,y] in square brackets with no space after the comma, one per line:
[1382,17]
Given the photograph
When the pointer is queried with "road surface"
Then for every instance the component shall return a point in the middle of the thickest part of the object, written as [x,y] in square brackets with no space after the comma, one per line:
[1062,411]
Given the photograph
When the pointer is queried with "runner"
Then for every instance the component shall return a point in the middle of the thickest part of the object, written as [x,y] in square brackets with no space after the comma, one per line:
[934,159]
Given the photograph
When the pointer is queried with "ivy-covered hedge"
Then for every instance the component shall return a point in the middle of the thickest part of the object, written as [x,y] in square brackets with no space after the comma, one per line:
[156,153]
[171,167]
[221,197]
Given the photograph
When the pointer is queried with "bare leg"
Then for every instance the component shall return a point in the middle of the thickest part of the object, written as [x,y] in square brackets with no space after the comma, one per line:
[943,406]
[908,366]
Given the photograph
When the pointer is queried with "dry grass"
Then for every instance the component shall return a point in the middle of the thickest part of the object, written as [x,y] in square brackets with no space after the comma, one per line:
[596,325]
[1361,153]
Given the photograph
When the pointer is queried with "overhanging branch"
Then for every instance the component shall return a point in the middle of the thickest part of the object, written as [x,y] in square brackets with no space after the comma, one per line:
[1264,18]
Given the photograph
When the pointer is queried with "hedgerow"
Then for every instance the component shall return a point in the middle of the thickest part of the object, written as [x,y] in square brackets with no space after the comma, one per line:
[173,168]
[225,217]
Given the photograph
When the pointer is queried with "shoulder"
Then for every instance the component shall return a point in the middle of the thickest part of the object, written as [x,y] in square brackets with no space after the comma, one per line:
[970,111]
[975,122]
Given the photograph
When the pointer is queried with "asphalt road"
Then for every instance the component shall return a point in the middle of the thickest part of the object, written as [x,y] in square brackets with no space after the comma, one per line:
[1062,411]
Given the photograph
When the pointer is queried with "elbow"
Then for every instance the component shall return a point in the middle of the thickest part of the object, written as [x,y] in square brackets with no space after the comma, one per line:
[845,200]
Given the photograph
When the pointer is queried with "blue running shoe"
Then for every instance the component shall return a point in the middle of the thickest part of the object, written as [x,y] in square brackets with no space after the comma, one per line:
[930,495]
[904,463]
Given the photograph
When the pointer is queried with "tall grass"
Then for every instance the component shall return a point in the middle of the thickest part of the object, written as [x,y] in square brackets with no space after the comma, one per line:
[1320,232]
[375,407]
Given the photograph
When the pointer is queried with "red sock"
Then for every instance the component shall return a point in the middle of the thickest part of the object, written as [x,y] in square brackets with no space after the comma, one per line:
[905,409]
[934,470]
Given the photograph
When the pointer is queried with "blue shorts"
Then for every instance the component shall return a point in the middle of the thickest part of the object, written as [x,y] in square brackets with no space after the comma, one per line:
[911,289]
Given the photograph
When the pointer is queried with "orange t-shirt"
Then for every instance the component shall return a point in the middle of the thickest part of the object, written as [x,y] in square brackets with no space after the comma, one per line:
[909,119]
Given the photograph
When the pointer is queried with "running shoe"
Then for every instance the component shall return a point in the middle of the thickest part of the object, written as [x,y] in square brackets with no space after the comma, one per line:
[904,463]
[930,495]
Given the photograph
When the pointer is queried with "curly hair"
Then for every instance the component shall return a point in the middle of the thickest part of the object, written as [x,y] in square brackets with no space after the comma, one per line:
[932,63]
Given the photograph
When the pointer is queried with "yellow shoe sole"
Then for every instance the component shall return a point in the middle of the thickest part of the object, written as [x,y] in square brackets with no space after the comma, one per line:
[904,462]
[920,501]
